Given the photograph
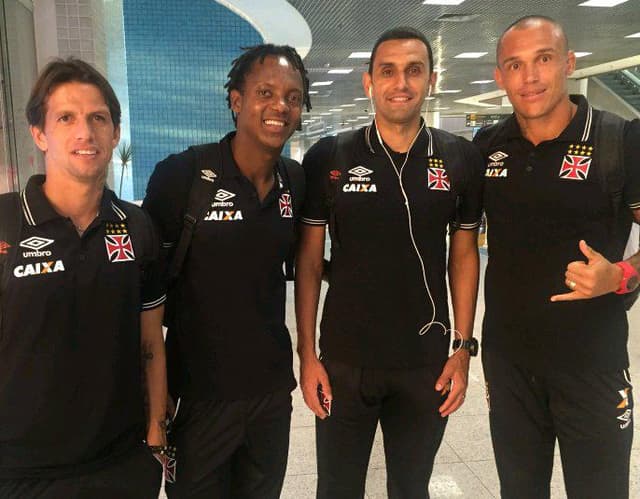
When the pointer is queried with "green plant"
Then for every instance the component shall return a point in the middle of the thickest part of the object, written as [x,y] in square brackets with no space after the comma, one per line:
[124,153]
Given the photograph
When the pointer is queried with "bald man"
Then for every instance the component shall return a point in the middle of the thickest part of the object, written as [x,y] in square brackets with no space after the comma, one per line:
[555,328]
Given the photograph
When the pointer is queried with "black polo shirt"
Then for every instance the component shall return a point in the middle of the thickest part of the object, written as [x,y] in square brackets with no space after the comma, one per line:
[377,301]
[231,293]
[540,201]
[70,385]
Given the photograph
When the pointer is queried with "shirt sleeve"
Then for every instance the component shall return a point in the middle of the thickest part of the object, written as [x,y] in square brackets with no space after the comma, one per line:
[167,196]
[153,282]
[315,164]
[469,209]
[632,164]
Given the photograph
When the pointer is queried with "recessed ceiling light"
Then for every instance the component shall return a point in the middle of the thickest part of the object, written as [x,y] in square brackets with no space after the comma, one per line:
[457,18]
[470,55]
[321,83]
[352,120]
[363,117]
[313,92]
[361,98]
[582,54]
[325,114]
[481,82]
[336,110]
[457,91]
[601,3]
[359,55]
[442,2]
[345,71]
[347,105]
[441,108]
[430,97]
[635,35]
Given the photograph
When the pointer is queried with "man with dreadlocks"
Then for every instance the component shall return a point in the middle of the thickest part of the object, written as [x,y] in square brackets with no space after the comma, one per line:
[232,428]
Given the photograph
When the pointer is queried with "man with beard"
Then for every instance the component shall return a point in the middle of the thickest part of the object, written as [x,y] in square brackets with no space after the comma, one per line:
[389,192]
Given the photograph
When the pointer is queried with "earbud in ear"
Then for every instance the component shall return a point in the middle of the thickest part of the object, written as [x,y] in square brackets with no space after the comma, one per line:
[371,91]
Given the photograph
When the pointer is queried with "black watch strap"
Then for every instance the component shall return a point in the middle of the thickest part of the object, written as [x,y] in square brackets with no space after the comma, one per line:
[471,345]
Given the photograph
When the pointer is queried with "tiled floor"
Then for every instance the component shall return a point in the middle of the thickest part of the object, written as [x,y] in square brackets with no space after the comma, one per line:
[464,465]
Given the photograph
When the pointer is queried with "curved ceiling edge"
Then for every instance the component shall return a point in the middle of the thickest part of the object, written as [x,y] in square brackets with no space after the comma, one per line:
[277,21]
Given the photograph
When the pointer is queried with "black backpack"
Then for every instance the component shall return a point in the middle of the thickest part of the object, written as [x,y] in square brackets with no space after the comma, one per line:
[609,152]
[203,188]
[10,227]
[343,150]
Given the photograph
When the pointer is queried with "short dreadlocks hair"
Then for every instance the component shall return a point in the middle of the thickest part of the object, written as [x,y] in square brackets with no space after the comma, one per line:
[243,64]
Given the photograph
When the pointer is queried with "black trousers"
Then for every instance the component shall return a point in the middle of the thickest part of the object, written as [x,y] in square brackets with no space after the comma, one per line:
[405,403]
[231,449]
[589,413]
[135,476]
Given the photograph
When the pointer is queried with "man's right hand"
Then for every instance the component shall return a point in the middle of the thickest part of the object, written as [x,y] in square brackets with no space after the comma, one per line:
[312,374]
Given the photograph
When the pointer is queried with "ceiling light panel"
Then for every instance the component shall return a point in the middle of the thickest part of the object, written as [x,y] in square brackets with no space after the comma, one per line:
[470,55]
[360,55]
[442,2]
[601,3]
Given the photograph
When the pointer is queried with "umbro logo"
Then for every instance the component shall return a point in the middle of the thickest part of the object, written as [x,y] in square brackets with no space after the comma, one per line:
[223,195]
[208,175]
[360,171]
[36,243]
[498,156]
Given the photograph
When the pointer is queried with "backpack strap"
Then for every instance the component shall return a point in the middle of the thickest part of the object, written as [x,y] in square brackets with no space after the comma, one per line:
[10,227]
[296,181]
[342,157]
[202,190]
[609,152]
[450,150]
[141,230]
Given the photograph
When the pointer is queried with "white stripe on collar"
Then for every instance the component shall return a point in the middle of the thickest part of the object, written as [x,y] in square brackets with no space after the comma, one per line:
[121,214]
[586,133]
[430,148]
[25,208]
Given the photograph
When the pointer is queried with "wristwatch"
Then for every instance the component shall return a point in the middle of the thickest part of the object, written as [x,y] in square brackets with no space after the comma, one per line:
[630,278]
[471,344]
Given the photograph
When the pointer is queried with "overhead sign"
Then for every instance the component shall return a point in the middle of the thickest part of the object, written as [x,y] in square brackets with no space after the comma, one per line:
[474,119]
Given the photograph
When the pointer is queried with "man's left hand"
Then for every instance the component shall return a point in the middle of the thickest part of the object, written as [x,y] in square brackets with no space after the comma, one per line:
[454,377]
[595,277]
[157,437]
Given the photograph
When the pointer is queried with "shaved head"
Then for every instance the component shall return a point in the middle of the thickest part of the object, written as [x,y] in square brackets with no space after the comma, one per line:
[533,22]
